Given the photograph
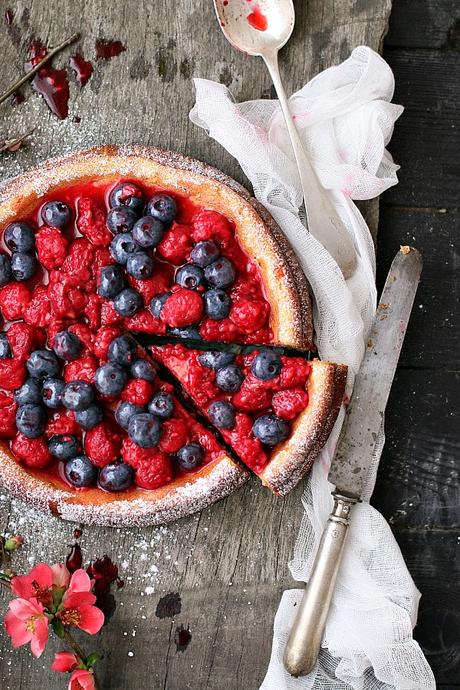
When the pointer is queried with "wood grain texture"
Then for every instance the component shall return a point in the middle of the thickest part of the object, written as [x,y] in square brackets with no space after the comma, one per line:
[229,564]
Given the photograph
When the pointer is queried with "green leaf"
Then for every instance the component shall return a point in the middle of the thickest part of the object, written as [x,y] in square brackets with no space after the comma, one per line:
[58,627]
[92,659]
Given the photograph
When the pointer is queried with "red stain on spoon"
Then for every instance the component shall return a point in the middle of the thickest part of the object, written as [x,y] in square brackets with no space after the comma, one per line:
[257,19]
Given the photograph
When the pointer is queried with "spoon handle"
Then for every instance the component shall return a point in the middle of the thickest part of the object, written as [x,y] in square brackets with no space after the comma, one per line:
[323,220]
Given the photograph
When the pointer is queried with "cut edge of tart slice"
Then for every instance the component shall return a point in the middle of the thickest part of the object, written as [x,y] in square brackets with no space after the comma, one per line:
[291,459]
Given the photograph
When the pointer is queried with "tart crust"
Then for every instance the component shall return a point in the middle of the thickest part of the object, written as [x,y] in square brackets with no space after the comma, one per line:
[310,431]
[284,281]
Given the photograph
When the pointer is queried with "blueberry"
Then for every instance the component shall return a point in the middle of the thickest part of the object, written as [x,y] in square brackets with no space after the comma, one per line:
[116,477]
[157,303]
[121,219]
[122,246]
[90,417]
[122,350]
[124,412]
[148,232]
[23,266]
[5,269]
[64,446]
[19,237]
[190,456]
[162,207]
[270,429]
[229,378]
[216,304]
[67,345]
[216,360]
[42,363]
[222,414]
[29,392]
[78,395]
[80,471]
[110,379]
[56,214]
[30,420]
[52,392]
[111,281]
[161,405]
[140,265]
[141,369]
[127,194]
[220,273]
[266,365]
[189,276]
[204,253]
[5,350]
[128,302]
[189,332]
[144,430]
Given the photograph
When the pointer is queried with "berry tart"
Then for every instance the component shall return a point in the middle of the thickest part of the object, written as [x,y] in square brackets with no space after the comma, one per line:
[112,242]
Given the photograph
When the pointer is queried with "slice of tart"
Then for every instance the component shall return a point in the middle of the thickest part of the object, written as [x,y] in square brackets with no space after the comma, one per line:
[275,411]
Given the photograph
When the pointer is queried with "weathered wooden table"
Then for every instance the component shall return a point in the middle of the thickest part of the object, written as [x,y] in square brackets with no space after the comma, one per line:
[229,564]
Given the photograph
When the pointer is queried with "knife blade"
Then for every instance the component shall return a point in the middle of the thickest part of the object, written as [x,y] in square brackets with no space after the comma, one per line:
[354,454]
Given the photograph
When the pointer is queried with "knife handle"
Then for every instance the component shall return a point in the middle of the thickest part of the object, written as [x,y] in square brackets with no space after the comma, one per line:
[306,635]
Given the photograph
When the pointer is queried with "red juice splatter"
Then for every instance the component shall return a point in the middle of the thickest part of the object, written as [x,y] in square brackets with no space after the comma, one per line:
[106,50]
[77,533]
[82,68]
[17,98]
[225,3]
[182,637]
[74,559]
[8,17]
[257,19]
[50,83]
[76,119]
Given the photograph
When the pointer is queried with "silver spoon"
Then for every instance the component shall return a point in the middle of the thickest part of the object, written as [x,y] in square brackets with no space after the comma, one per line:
[262,30]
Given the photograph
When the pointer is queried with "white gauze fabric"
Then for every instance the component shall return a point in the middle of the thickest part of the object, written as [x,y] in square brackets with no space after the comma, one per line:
[345,119]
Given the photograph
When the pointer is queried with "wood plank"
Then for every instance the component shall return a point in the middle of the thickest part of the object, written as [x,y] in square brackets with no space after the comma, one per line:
[432,339]
[426,137]
[144,96]
[424,24]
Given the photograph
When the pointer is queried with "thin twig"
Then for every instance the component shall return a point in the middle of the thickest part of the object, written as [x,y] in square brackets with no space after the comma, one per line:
[4,583]
[72,642]
[11,143]
[19,82]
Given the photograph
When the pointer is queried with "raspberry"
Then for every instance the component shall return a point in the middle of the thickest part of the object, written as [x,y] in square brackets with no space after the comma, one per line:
[32,451]
[38,311]
[289,403]
[84,334]
[12,373]
[209,225]
[143,321]
[62,422]
[7,416]
[102,257]
[182,308]
[138,392]
[24,338]
[65,302]
[79,262]
[294,373]
[176,244]
[14,299]
[103,338]
[207,441]
[91,222]
[51,247]
[251,398]
[81,369]
[108,314]
[154,471]
[159,282]
[248,448]
[249,315]
[102,444]
[174,435]
[219,330]
[93,310]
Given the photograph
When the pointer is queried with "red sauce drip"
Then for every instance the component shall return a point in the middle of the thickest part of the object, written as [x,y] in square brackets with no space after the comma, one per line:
[257,19]
[76,119]
[8,16]
[82,68]
[17,98]
[75,559]
[50,83]
[106,50]
[77,533]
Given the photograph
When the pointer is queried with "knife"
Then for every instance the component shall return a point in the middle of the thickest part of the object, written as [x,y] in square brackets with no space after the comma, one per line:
[354,455]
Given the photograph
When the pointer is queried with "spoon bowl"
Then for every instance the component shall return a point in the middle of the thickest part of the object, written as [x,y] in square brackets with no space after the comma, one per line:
[255,27]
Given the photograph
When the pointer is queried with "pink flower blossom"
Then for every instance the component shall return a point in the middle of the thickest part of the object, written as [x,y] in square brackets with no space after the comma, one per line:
[39,581]
[82,680]
[26,622]
[64,661]
[77,608]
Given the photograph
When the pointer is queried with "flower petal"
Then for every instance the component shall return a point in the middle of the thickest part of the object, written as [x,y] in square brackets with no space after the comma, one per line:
[21,585]
[72,600]
[81,679]
[25,608]
[80,582]
[64,661]
[16,629]
[61,576]
[91,619]
[40,636]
